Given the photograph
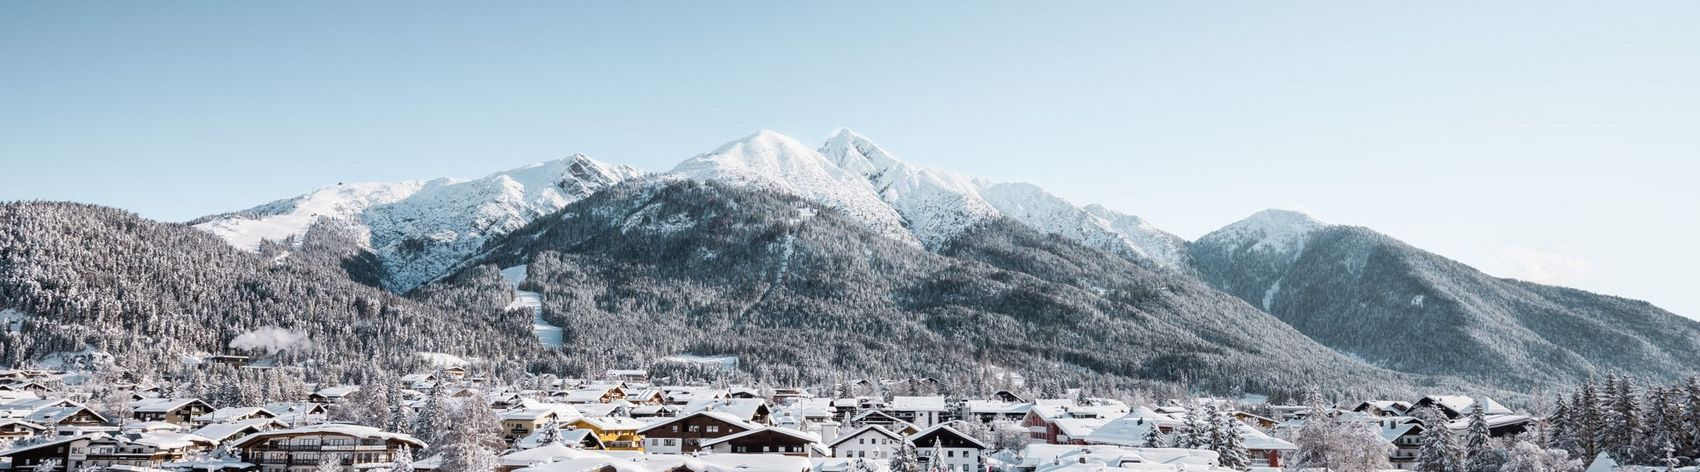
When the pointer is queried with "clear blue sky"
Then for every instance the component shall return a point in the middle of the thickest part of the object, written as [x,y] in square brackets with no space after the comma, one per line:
[1548,140]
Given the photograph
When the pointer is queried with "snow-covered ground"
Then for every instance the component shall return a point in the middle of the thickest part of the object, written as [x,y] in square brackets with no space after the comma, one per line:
[730,362]
[548,334]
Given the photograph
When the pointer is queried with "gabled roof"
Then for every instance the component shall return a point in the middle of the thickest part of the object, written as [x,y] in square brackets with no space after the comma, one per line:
[718,415]
[943,428]
[52,443]
[614,423]
[164,405]
[363,432]
[799,435]
[932,403]
[865,429]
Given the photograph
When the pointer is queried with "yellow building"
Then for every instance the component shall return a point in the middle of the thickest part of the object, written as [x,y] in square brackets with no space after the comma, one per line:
[617,434]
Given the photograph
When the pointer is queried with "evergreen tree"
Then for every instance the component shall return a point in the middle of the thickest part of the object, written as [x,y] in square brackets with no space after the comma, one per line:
[329,462]
[1478,447]
[905,459]
[936,461]
[1154,436]
[1439,451]
[473,436]
[402,461]
[1226,441]
[1194,431]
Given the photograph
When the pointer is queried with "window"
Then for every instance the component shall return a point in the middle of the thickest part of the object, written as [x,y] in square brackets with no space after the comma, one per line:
[694,428]
[675,428]
[713,428]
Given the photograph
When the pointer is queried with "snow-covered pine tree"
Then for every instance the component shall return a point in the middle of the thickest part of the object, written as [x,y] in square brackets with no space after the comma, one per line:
[402,460]
[1226,441]
[1559,431]
[329,462]
[1195,431]
[905,459]
[470,444]
[1689,432]
[935,460]
[1439,451]
[1154,436]
[1479,455]
[1590,419]
[550,433]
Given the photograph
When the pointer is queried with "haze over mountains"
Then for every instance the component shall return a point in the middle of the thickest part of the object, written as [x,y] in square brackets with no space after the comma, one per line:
[767,241]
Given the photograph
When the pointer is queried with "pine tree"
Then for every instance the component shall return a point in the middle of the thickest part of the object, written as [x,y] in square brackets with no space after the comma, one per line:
[550,433]
[1439,451]
[1154,436]
[1194,433]
[329,462]
[905,459]
[1229,446]
[1590,419]
[470,444]
[1478,448]
[402,461]
[936,462]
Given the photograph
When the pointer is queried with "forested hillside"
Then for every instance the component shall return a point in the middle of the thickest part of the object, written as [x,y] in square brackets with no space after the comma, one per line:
[90,279]
[801,293]
[1369,295]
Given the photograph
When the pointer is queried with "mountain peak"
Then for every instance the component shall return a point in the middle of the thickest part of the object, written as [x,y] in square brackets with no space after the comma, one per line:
[856,153]
[1272,230]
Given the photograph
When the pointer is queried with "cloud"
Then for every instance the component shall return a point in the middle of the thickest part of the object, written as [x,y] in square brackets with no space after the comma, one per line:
[1555,267]
[271,339]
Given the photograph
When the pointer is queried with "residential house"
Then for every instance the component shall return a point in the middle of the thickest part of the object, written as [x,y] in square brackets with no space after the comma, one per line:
[181,411]
[577,438]
[332,394]
[139,450]
[1459,406]
[920,411]
[55,451]
[1384,408]
[13,430]
[962,453]
[870,442]
[530,415]
[768,440]
[299,449]
[684,434]
[615,433]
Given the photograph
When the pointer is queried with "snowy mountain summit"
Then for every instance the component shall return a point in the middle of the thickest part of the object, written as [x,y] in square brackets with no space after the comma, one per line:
[419,229]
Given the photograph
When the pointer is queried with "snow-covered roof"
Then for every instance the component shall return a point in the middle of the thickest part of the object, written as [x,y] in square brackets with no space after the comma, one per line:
[945,429]
[745,408]
[162,405]
[1462,404]
[930,403]
[358,431]
[568,436]
[237,412]
[718,415]
[997,407]
[548,453]
[1078,427]
[869,429]
[802,436]
[614,423]
[338,391]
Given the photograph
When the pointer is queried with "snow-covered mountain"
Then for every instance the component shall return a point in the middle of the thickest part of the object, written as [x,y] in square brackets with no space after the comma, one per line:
[775,162]
[937,206]
[419,229]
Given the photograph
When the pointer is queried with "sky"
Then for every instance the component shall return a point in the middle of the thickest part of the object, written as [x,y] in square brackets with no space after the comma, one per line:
[1551,141]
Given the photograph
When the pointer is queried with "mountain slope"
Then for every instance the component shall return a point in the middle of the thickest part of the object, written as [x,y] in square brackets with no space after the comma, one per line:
[96,279]
[1394,305]
[939,206]
[417,229]
[804,290]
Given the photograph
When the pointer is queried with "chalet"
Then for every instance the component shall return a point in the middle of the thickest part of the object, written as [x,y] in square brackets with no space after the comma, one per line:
[55,451]
[1383,408]
[1405,434]
[654,411]
[237,413]
[626,375]
[769,440]
[221,432]
[546,454]
[299,449]
[62,416]
[687,395]
[420,382]
[920,411]
[577,438]
[140,450]
[883,420]
[521,421]
[786,395]
[38,388]
[1262,422]
[989,411]
[1007,397]
[13,430]
[962,453]
[1499,426]
[754,410]
[332,394]
[297,414]
[227,359]
[870,442]
[615,434]
[170,410]
[1264,450]
[454,372]
[617,408]
[685,434]
[1459,406]
[596,393]
[649,396]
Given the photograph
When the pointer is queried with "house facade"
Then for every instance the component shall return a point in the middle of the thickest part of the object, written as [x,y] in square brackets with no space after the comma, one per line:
[300,449]
[685,434]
